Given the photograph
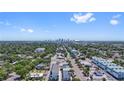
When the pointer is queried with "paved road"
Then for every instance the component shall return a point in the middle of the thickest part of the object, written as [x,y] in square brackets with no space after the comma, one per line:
[78,72]
[76,69]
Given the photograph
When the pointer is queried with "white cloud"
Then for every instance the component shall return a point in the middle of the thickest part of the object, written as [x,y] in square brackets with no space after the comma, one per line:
[114,22]
[27,30]
[6,23]
[117,16]
[92,19]
[30,30]
[79,18]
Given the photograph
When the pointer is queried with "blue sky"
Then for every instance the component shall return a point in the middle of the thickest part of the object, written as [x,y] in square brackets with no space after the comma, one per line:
[100,26]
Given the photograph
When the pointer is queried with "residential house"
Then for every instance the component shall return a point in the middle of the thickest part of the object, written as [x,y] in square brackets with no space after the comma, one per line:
[54,73]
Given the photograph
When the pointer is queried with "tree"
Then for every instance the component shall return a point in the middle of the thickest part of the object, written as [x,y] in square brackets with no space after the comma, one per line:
[18,67]
[86,71]
[22,72]
[31,65]
[28,67]
[3,74]
[8,67]
[75,79]
[103,79]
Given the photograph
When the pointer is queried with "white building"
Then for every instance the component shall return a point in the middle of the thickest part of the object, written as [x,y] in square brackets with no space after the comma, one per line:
[111,68]
[85,63]
[54,73]
[36,75]
[40,50]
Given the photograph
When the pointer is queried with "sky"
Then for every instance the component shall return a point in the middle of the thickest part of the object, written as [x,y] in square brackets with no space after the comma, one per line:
[87,26]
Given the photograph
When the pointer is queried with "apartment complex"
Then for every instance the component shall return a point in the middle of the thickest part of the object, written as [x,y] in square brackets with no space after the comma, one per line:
[113,69]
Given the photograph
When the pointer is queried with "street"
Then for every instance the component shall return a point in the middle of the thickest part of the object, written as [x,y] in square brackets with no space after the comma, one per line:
[76,69]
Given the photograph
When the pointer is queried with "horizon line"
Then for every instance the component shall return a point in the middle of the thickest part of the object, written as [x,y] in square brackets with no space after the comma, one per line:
[70,40]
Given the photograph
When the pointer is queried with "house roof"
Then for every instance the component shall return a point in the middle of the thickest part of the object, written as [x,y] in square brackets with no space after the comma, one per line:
[40,50]
[85,63]
[36,75]
[109,64]
[13,76]
[66,75]
[55,68]
[41,64]
[66,69]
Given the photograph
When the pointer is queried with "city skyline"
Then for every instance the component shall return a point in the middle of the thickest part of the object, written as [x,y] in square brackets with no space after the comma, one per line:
[87,26]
